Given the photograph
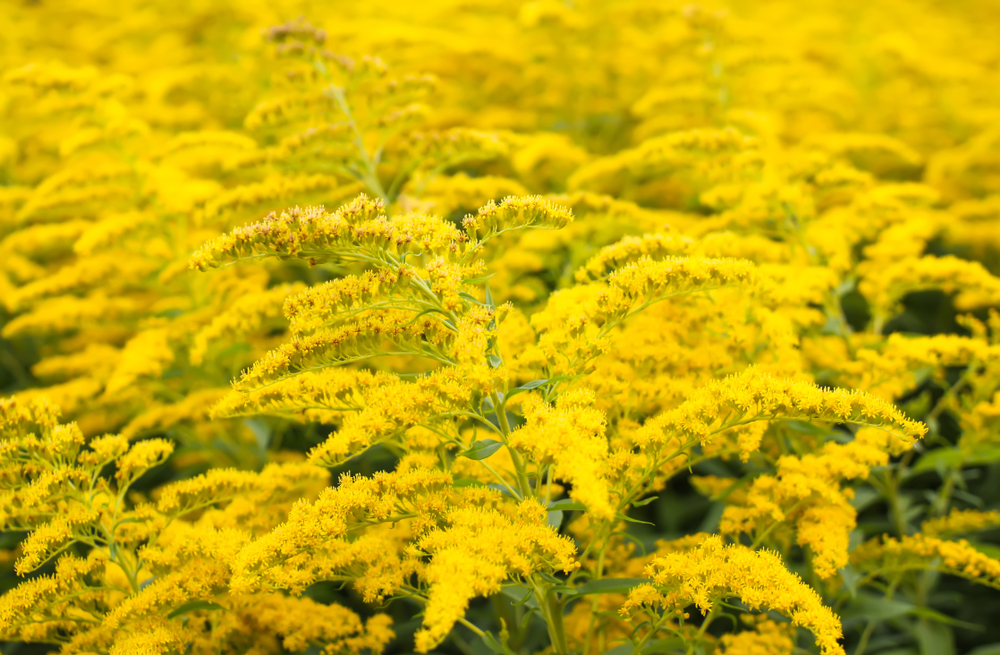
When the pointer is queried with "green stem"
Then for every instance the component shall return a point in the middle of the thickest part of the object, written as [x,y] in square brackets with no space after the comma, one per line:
[551,610]
[599,531]
[508,619]
[763,535]
[472,627]
[548,486]
[594,602]
[940,505]
[704,626]
[835,311]
[892,495]
[870,628]
[502,481]
[953,390]
[515,457]
[368,177]
[653,629]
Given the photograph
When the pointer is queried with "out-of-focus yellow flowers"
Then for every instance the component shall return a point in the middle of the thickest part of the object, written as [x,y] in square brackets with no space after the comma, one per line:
[530,276]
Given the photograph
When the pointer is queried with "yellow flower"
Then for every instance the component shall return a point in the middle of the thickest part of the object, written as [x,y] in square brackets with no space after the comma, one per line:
[570,436]
[247,314]
[715,572]
[806,492]
[141,457]
[765,638]
[960,522]
[917,552]
[475,551]
[652,246]
[752,396]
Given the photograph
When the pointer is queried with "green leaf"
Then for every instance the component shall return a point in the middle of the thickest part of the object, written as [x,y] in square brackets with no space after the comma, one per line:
[710,520]
[517,593]
[566,505]
[663,645]
[472,299]
[868,607]
[489,298]
[855,539]
[478,280]
[482,449]
[934,615]
[876,608]
[432,310]
[496,486]
[850,577]
[624,649]
[934,639]
[654,646]
[989,649]
[863,497]
[194,606]
[526,619]
[633,539]
[548,577]
[629,519]
[984,456]
[608,586]
[535,384]
[939,458]
[555,519]
[494,361]
[262,432]
[644,501]
[528,386]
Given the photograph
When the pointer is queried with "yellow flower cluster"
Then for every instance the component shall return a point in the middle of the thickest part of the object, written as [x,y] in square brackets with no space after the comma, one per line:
[151,570]
[806,492]
[924,552]
[750,396]
[765,638]
[570,437]
[960,522]
[715,572]
[313,325]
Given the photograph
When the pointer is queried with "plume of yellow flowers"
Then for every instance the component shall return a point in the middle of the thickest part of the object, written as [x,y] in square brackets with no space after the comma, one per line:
[417,326]
[714,572]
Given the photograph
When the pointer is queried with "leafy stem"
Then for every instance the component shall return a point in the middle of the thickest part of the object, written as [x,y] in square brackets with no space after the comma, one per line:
[520,469]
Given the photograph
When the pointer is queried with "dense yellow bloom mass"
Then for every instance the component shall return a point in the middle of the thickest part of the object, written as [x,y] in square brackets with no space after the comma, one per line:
[145,561]
[807,490]
[570,436]
[476,551]
[715,572]
[751,396]
[457,326]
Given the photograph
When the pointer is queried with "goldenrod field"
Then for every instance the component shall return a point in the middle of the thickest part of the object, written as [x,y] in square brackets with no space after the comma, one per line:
[492,327]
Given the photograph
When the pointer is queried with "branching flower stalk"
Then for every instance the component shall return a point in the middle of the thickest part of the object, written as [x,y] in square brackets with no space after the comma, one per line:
[515,328]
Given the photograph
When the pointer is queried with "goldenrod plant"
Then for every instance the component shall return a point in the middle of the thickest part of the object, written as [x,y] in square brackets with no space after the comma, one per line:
[622,327]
